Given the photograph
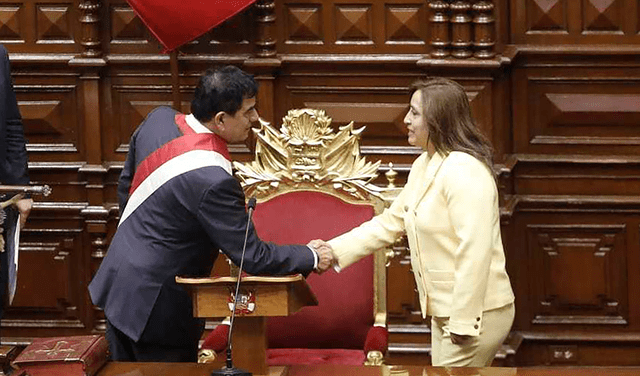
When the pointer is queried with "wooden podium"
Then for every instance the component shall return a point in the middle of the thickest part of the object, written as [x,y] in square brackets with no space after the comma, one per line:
[259,297]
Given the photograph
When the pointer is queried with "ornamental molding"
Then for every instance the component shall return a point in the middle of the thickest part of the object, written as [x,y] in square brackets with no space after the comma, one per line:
[307,153]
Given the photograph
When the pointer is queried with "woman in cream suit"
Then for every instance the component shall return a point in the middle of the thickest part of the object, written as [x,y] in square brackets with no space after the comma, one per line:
[449,211]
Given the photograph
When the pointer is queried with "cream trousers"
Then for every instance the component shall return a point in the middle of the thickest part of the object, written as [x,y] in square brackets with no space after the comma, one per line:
[477,351]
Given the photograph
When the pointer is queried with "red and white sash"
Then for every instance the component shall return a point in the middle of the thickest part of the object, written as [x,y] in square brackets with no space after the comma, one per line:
[196,148]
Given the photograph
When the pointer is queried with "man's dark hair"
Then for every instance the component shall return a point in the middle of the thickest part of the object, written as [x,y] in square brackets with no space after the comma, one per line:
[222,89]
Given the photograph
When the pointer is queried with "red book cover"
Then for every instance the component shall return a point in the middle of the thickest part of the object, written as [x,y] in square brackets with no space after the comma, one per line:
[63,356]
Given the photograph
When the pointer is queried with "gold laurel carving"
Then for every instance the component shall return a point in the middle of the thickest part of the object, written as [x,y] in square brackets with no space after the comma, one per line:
[307,152]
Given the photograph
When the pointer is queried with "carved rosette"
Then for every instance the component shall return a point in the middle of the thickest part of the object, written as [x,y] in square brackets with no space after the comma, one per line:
[307,152]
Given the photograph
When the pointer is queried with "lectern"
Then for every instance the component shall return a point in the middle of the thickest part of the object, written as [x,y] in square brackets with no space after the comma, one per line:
[259,297]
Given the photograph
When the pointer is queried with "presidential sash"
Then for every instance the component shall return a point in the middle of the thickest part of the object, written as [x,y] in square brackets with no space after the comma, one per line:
[188,152]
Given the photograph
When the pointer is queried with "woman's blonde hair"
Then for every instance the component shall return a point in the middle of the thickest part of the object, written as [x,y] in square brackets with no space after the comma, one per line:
[448,118]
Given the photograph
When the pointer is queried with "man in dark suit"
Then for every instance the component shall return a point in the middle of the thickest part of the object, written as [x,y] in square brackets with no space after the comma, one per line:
[13,155]
[179,205]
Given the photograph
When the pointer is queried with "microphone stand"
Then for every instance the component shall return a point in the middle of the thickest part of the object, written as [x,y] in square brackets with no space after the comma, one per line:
[229,369]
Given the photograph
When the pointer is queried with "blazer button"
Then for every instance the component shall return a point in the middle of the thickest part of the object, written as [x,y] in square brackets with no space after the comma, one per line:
[406,208]
[475,327]
[477,318]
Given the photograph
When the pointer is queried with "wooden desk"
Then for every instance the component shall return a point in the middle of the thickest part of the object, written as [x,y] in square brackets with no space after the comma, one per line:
[188,369]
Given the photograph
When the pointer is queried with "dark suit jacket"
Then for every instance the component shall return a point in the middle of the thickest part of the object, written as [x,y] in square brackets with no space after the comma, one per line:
[13,152]
[177,230]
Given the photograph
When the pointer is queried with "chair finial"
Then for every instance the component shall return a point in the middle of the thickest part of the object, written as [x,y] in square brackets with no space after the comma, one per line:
[391,176]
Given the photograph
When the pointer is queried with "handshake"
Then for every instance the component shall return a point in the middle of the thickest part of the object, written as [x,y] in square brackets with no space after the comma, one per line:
[326,259]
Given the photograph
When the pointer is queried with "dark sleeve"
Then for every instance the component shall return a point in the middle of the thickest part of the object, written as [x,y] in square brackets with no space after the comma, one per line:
[15,141]
[126,176]
[223,216]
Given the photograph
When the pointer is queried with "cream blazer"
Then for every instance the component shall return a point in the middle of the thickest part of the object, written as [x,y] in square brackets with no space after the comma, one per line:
[449,211]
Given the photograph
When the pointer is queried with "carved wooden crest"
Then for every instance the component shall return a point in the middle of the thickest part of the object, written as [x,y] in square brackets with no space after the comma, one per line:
[308,152]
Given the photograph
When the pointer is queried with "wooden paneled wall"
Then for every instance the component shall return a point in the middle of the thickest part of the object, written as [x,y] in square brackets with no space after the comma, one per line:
[553,83]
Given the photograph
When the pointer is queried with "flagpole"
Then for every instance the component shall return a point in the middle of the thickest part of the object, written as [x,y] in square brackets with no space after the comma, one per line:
[175,80]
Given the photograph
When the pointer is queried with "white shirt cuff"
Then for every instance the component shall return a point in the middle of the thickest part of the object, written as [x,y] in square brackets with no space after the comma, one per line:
[315,257]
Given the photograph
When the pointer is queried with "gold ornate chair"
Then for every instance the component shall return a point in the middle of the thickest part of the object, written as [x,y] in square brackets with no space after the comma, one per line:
[311,182]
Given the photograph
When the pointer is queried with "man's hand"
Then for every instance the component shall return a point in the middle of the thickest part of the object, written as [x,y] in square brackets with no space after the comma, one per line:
[459,339]
[325,255]
[24,207]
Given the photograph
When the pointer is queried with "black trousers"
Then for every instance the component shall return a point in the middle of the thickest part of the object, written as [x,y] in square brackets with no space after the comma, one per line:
[124,349]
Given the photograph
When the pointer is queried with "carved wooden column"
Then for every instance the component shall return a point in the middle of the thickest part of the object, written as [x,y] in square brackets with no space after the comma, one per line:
[90,63]
[484,29]
[439,21]
[265,62]
[89,21]
[461,29]
[266,39]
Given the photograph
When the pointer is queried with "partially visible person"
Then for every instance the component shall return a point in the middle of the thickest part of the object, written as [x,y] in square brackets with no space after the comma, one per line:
[179,205]
[449,212]
[13,150]
[13,156]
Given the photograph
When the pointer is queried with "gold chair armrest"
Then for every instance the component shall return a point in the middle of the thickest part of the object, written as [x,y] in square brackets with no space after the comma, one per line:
[206,356]
[374,358]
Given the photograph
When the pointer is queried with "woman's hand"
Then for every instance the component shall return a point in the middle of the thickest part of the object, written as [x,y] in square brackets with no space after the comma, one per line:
[459,339]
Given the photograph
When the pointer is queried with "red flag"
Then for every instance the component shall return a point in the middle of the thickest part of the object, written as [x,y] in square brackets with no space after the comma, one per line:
[176,22]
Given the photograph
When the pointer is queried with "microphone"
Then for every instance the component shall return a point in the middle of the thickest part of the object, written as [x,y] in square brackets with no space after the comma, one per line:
[229,370]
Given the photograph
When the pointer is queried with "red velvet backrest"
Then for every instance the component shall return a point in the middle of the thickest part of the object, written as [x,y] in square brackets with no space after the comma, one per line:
[345,310]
